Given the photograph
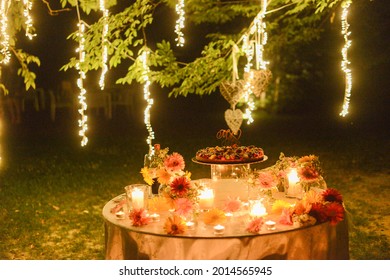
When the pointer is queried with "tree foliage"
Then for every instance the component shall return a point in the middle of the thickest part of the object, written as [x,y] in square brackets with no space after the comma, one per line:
[291,25]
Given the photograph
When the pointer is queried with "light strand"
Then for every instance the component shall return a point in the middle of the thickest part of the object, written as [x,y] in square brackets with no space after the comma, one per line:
[253,48]
[345,62]
[4,32]
[149,102]
[104,44]
[180,23]
[248,86]
[28,20]
[80,83]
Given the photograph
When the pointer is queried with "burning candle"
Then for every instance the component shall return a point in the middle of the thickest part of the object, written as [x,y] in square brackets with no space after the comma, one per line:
[206,199]
[257,209]
[294,188]
[190,225]
[219,229]
[155,217]
[137,198]
[270,225]
[120,214]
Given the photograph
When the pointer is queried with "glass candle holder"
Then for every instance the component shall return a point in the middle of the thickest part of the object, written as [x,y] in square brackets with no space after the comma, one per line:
[137,195]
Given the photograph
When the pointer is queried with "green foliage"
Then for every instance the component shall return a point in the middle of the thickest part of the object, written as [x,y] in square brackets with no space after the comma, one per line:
[291,25]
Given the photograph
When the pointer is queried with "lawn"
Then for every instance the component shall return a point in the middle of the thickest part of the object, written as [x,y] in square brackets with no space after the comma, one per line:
[52,190]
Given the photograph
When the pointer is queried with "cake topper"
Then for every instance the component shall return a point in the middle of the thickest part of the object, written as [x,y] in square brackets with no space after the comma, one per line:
[228,137]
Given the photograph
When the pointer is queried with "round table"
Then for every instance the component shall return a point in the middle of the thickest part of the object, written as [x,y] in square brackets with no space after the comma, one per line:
[319,242]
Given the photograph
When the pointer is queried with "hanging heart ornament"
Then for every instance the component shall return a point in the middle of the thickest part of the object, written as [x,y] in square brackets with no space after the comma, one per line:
[234,119]
[232,91]
[259,79]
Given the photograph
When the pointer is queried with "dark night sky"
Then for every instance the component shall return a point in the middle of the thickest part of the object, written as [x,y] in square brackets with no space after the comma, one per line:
[369,54]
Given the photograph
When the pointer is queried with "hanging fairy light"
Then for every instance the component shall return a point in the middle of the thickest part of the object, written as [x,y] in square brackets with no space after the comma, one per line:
[248,86]
[345,62]
[4,32]
[104,43]
[253,47]
[28,20]
[149,102]
[180,23]
[80,83]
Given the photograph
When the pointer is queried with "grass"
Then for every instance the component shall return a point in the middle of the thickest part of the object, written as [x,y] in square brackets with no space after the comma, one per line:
[52,191]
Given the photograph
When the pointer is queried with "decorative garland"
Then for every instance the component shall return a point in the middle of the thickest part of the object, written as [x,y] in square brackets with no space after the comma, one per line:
[26,13]
[345,62]
[4,34]
[180,23]
[149,101]
[104,43]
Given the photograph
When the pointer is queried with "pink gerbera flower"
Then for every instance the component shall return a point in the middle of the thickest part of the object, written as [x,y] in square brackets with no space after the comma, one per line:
[285,217]
[266,180]
[335,212]
[254,226]
[180,186]
[332,195]
[183,206]
[232,205]
[174,162]
[139,217]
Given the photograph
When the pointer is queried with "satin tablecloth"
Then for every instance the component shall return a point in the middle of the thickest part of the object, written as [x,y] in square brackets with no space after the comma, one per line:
[318,242]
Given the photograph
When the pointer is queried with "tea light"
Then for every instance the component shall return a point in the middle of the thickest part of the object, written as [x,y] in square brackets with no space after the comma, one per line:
[206,199]
[257,209]
[190,225]
[120,214]
[137,198]
[219,229]
[270,225]
[155,217]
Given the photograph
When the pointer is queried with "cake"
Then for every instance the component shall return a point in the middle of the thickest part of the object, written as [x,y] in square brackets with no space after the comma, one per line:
[230,154]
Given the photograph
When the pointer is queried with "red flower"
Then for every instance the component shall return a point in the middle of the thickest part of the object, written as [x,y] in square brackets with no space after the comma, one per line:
[180,186]
[335,212]
[174,162]
[309,173]
[318,212]
[139,217]
[332,195]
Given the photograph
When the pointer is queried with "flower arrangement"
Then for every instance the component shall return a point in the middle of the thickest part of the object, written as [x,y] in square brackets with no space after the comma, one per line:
[162,166]
[314,208]
[308,168]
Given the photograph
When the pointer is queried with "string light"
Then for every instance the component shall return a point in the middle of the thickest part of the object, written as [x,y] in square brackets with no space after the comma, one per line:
[4,26]
[345,62]
[180,23]
[80,83]
[253,48]
[248,86]
[26,13]
[104,43]
[149,102]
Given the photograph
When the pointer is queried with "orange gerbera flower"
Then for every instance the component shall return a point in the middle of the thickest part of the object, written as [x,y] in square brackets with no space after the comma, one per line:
[175,225]
[158,204]
[180,186]
[163,176]
[214,216]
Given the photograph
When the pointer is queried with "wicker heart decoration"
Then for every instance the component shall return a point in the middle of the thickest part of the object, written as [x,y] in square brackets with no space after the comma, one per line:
[234,119]
[260,80]
[231,91]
